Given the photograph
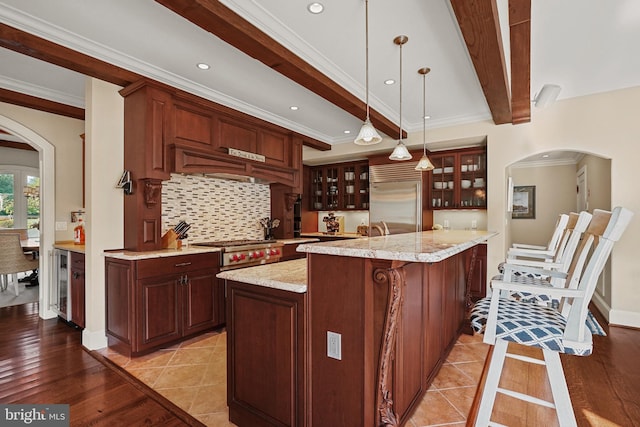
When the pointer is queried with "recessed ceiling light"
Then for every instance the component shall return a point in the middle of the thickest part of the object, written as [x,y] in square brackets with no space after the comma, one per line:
[203,66]
[389,81]
[545,156]
[293,108]
[427,117]
[315,8]
[347,131]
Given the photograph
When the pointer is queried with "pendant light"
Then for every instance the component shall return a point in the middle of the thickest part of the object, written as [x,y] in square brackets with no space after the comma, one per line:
[400,152]
[368,135]
[424,164]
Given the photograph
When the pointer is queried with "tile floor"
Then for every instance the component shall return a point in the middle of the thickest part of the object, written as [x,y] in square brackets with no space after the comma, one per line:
[193,376]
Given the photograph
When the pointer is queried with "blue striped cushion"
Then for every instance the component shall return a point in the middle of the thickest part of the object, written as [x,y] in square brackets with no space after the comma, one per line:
[528,324]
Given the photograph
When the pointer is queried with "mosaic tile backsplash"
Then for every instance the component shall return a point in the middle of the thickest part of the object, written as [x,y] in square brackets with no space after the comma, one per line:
[217,209]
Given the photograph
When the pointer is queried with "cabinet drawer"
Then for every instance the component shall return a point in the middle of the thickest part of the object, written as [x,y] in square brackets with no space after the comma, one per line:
[176,264]
[77,261]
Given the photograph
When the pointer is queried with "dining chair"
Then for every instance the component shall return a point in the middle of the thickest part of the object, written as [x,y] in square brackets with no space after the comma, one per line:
[538,251]
[549,272]
[13,261]
[543,327]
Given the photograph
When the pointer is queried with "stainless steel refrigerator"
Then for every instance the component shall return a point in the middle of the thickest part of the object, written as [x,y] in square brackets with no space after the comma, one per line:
[395,204]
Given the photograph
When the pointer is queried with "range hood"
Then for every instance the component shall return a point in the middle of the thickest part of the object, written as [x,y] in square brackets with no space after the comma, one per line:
[238,178]
[187,160]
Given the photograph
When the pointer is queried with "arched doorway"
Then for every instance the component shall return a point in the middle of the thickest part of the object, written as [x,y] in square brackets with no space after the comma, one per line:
[47,204]
[564,181]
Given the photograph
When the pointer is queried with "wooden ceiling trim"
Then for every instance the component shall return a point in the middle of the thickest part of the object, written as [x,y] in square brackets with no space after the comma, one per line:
[480,26]
[520,39]
[39,48]
[16,145]
[40,104]
[222,22]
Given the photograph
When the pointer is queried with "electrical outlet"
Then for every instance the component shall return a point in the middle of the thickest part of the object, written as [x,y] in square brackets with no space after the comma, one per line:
[61,225]
[334,345]
[474,224]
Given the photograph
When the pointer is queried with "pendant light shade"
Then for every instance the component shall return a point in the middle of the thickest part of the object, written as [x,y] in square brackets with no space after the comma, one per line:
[424,164]
[368,135]
[400,152]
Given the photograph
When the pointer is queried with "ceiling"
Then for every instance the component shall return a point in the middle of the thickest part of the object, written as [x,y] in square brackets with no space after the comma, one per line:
[585,46]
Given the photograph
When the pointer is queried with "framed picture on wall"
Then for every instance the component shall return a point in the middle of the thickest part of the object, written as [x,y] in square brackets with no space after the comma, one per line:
[524,202]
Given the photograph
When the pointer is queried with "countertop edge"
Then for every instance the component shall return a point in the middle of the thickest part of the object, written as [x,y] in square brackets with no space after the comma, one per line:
[288,276]
[185,250]
[409,254]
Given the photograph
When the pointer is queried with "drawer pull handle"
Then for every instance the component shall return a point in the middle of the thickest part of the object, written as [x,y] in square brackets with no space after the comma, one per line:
[183,264]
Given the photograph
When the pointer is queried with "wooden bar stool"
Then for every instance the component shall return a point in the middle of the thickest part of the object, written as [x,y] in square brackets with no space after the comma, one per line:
[555,331]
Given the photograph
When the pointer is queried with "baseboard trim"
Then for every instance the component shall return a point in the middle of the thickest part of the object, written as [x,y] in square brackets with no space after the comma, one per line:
[94,340]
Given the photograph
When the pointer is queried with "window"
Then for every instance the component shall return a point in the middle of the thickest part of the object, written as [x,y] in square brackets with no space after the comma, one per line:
[20,198]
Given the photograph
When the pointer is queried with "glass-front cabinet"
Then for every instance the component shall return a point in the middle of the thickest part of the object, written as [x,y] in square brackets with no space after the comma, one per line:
[459,179]
[341,186]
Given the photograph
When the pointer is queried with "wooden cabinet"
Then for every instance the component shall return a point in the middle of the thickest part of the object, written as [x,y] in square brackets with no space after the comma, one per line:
[169,131]
[478,279]
[289,252]
[77,289]
[432,313]
[157,301]
[341,186]
[265,356]
[459,180]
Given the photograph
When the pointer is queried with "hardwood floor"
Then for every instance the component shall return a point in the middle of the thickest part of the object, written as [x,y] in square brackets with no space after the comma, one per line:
[604,387]
[43,361]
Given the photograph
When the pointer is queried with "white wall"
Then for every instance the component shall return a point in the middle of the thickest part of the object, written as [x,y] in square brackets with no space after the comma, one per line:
[555,194]
[104,162]
[605,124]
[64,134]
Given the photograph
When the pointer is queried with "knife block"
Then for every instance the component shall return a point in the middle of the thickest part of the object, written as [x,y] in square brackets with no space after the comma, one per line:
[170,240]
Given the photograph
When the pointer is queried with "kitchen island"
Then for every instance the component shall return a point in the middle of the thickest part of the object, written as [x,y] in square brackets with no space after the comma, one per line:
[361,345]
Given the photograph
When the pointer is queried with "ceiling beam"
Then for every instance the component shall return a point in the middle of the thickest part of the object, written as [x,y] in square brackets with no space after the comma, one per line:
[222,22]
[520,40]
[16,145]
[45,50]
[480,26]
[40,104]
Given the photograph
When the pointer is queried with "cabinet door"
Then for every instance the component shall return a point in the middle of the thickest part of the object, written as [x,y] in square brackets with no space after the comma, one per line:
[409,358]
[348,187]
[473,187]
[332,187]
[199,302]
[316,191]
[76,283]
[158,311]
[443,185]
[478,285]
[362,186]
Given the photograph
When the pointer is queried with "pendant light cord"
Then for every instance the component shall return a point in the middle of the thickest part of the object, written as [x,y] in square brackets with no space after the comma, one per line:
[424,114]
[366,50]
[400,139]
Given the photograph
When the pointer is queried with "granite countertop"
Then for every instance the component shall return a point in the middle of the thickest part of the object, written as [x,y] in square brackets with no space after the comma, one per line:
[298,240]
[426,246]
[185,250]
[132,255]
[337,236]
[287,275]
[69,245]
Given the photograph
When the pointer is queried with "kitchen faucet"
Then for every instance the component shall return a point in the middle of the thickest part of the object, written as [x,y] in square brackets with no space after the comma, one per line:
[381,231]
[378,228]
